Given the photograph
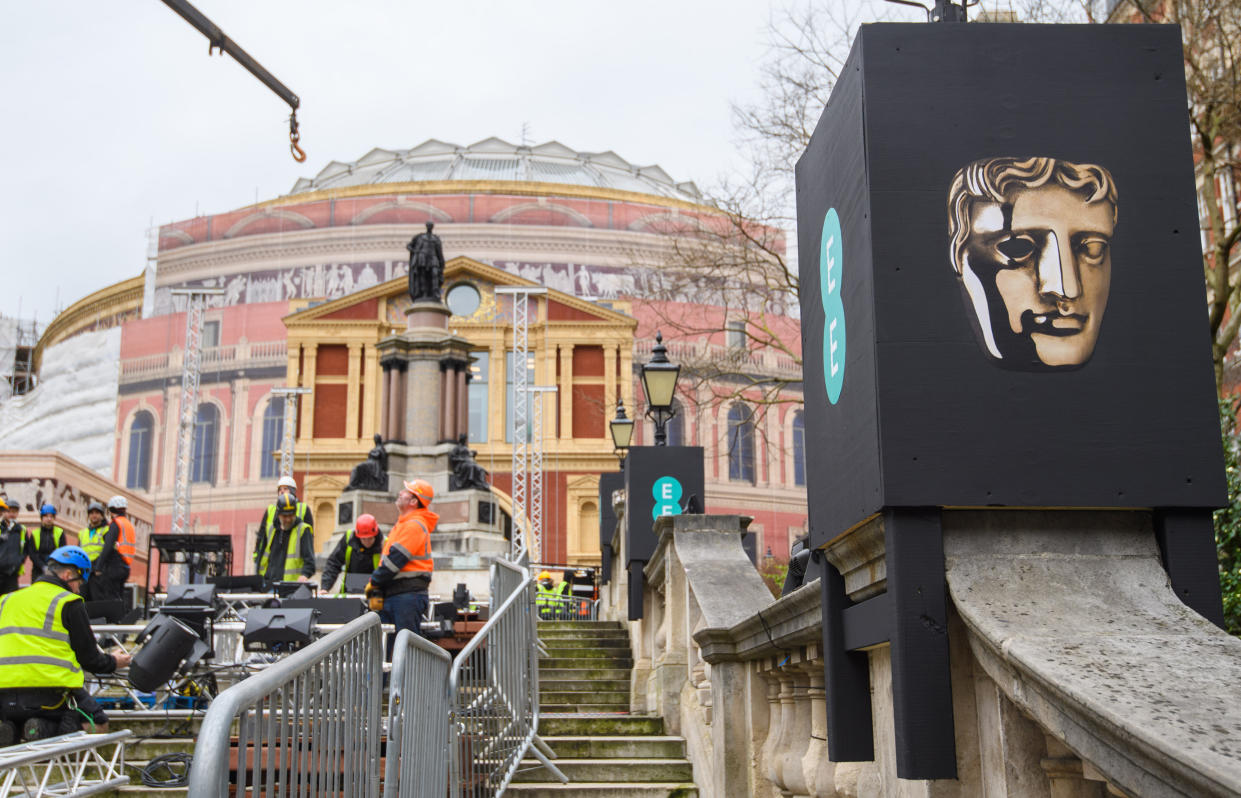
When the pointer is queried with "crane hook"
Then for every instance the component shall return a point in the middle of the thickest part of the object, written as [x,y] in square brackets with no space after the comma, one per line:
[299,154]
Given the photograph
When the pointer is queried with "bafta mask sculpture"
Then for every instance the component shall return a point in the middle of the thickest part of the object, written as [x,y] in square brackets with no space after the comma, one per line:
[1031,241]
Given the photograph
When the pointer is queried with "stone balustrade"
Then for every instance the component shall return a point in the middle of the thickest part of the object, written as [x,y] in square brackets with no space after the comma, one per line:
[740,674]
[246,354]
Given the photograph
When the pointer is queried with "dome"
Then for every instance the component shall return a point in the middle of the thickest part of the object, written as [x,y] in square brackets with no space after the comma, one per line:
[496,159]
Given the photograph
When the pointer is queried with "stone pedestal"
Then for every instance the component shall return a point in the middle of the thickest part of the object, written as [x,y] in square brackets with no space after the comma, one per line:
[425,408]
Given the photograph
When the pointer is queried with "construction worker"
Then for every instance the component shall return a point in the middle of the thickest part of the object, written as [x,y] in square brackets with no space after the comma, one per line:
[358,552]
[289,555]
[111,550]
[545,592]
[287,486]
[12,547]
[43,539]
[46,646]
[91,538]
[404,573]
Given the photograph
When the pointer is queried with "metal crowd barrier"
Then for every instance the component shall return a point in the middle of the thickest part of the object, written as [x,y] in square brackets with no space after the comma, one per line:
[493,688]
[308,725]
[553,607]
[416,764]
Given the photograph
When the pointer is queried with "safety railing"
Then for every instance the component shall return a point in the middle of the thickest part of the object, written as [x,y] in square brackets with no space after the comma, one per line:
[416,764]
[307,726]
[493,688]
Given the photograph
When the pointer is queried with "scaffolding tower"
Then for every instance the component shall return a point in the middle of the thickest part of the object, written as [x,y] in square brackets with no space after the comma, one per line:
[191,366]
[521,416]
[290,395]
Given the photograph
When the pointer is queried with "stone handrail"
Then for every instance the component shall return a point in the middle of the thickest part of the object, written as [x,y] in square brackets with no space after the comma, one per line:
[1075,670]
[216,358]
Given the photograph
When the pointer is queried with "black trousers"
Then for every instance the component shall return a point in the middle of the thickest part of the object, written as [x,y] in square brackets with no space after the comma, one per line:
[109,583]
[54,704]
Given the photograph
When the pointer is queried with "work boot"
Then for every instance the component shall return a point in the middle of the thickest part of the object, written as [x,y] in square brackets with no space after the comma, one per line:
[8,733]
[38,729]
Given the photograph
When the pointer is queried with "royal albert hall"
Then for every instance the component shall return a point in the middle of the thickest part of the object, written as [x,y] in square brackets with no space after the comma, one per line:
[313,280]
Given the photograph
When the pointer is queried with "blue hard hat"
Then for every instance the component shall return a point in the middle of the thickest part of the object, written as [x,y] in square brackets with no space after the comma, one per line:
[47,509]
[75,556]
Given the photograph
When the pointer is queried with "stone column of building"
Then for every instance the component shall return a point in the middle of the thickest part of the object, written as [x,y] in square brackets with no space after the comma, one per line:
[566,392]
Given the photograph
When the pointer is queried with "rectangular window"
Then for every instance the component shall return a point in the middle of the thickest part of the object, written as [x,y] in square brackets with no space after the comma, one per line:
[211,334]
[479,386]
[735,331]
[510,401]
[273,439]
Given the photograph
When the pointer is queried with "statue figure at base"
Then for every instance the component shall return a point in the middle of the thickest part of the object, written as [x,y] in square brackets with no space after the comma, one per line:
[426,266]
[372,474]
[466,474]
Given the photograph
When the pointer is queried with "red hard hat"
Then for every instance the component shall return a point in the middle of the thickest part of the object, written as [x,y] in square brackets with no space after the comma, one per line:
[367,527]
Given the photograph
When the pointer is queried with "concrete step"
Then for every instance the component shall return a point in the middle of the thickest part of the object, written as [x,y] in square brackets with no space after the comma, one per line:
[142,791]
[576,625]
[607,634]
[585,662]
[613,698]
[608,726]
[601,790]
[150,747]
[606,643]
[623,771]
[617,747]
[587,652]
[581,685]
[549,674]
[579,708]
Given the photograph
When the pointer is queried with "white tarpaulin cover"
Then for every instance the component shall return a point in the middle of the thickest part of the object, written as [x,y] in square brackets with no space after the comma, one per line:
[73,408]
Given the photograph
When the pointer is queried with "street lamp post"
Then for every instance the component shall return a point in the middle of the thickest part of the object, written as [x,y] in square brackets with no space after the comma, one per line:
[659,381]
[622,431]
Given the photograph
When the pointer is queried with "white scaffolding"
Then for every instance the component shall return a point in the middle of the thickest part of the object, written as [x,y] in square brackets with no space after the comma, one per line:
[290,426]
[521,414]
[536,472]
[191,365]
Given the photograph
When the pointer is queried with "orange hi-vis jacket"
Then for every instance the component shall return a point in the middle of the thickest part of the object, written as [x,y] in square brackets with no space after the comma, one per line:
[407,551]
[127,540]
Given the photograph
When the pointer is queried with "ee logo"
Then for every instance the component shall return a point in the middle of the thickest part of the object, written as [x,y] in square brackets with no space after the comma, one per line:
[667,493]
[831,268]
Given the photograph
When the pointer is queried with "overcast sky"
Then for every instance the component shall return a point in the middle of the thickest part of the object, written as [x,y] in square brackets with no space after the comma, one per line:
[116,117]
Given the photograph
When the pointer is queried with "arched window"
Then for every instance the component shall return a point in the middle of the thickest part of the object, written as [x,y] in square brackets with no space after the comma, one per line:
[206,438]
[273,438]
[138,470]
[676,425]
[740,443]
[799,448]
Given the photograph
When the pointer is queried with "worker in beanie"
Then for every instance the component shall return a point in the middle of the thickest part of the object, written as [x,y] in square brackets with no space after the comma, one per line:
[43,539]
[358,552]
[116,548]
[12,549]
[287,486]
[91,539]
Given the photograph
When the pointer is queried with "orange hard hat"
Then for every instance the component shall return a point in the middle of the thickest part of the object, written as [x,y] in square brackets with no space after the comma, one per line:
[367,526]
[422,489]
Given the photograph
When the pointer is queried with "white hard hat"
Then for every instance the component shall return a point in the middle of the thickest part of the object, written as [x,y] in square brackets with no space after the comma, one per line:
[118,503]
[287,482]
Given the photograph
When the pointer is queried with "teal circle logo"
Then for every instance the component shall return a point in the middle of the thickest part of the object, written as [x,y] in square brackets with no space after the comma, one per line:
[667,493]
[831,272]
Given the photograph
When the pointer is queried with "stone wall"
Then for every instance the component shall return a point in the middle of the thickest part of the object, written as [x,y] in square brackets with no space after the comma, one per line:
[1048,701]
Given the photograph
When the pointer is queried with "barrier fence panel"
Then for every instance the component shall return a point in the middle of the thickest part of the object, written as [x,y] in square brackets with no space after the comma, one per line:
[307,726]
[493,687]
[417,761]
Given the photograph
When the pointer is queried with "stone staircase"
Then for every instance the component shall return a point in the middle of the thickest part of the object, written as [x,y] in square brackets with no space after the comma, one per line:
[152,739]
[584,717]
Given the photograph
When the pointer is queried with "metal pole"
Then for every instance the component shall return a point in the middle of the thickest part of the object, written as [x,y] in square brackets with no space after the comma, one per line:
[290,426]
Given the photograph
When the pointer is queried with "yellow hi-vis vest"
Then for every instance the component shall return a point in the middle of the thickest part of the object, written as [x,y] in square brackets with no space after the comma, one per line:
[91,541]
[293,561]
[376,558]
[58,537]
[34,643]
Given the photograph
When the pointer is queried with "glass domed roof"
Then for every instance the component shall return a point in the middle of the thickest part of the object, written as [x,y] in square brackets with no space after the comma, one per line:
[496,159]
